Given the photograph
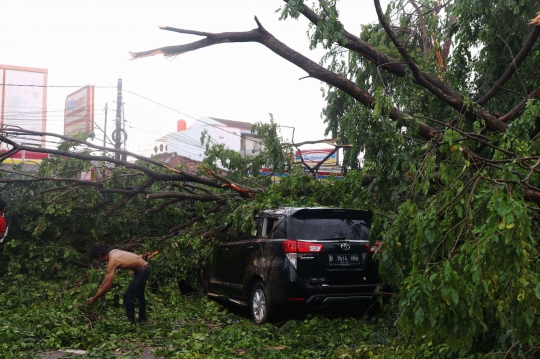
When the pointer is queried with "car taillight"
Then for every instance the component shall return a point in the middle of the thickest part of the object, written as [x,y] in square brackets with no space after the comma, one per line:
[289,246]
[306,247]
[372,249]
[293,246]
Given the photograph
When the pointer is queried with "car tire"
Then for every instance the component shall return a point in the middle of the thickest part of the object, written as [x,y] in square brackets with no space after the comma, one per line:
[259,304]
[185,287]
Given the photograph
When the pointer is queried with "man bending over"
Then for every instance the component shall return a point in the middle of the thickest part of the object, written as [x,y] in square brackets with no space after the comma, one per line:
[123,260]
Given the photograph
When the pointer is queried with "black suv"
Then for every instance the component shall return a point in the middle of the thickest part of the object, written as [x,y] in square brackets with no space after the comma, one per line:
[297,255]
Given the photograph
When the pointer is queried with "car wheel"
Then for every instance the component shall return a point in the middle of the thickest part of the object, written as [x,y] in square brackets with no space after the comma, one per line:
[259,304]
[186,287]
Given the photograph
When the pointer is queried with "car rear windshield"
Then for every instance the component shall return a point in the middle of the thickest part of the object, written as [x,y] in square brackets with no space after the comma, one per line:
[329,228]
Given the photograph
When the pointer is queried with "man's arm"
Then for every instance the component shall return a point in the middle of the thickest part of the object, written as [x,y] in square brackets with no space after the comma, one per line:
[106,285]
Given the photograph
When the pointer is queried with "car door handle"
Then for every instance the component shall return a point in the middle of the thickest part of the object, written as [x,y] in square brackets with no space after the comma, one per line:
[250,247]
[226,248]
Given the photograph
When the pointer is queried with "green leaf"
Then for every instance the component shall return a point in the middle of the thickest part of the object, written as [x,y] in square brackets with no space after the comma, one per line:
[454,295]
[476,276]
[419,316]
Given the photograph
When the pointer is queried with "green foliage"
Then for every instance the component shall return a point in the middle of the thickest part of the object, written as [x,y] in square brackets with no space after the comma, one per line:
[329,29]
[454,213]
[276,155]
[458,227]
[219,156]
[38,316]
[499,29]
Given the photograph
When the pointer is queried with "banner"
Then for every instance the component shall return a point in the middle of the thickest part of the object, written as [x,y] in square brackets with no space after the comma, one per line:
[312,157]
[79,111]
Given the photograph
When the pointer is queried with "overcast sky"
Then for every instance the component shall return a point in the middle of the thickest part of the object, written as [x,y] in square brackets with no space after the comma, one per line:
[88,42]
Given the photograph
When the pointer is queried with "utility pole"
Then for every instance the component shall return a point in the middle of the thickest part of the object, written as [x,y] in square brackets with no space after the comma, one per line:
[105,130]
[124,156]
[104,141]
[118,131]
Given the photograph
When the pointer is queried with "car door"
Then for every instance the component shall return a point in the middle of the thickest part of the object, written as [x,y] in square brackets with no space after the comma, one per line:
[232,258]
[219,268]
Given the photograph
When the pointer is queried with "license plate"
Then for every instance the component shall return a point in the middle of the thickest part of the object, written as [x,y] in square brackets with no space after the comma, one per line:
[343,259]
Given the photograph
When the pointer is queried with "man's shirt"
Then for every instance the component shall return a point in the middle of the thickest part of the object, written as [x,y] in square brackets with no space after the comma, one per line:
[3,228]
[2,224]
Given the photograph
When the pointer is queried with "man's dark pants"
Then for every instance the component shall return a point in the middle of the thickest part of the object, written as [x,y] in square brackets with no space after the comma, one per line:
[134,291]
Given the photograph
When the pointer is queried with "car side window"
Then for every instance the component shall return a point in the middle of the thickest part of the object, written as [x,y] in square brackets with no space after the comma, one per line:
[274,227]
[280,230]
[258,227]
[231,235]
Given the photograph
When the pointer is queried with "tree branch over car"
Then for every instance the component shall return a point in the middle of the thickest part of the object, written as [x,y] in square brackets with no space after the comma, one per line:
[432,84]
[456,179]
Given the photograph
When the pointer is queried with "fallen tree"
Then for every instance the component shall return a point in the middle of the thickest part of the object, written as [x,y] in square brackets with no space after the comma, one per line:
[441,99]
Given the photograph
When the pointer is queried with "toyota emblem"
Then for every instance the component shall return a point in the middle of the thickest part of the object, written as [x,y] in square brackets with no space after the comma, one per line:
[345,246]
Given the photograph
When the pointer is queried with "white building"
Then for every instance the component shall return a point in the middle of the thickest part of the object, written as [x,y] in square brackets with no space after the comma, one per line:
[235,135]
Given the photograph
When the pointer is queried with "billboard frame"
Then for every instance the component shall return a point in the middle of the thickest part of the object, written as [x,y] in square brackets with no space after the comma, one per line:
[45,73]
[88,109]
[321,152]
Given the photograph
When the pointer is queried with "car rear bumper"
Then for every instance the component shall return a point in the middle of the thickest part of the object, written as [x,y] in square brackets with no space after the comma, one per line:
[338,298]
[281,292]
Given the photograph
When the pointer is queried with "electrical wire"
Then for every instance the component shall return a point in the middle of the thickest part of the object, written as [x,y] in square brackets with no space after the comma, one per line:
[190,141]
[57,86]
[141,96]
[179,141]
[178,138]
[155,119]
[175,142]
[179,135]
[20,113]
[183,114]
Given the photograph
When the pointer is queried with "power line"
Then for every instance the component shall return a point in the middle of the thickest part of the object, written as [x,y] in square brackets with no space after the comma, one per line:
[136,94]
[196,119]
[179,143]
[184,137]
[172,140]
[176,138]
[36,112]
[176,141]
[60,86]
[180,134]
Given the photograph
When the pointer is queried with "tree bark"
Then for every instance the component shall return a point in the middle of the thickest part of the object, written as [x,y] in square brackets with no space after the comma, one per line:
[522,54]
[313,69]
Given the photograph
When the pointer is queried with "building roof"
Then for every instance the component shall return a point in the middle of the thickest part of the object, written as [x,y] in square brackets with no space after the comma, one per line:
[176,160]
[238,124]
